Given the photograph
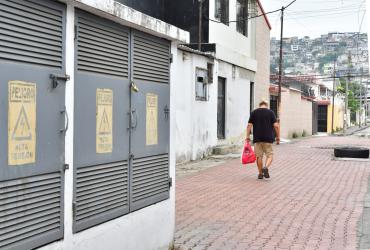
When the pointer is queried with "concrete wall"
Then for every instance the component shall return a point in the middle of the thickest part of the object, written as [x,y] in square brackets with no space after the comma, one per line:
[262,80]
[149,228]
[296,114]
[196,121]
[226,35]
[338,115]
[232,46]
[237,100]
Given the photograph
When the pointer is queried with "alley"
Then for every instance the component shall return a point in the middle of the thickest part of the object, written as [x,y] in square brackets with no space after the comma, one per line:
[311,201]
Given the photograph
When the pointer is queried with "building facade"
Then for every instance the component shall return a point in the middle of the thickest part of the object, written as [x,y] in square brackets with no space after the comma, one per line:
[221,81]
[87,125]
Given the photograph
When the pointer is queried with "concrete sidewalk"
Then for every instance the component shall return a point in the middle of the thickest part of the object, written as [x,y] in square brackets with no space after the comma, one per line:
[311,201]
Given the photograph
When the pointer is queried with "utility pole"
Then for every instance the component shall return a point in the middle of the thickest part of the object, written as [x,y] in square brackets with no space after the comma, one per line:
[361,106]
[200,2]
[346,94]
[332,105]
[367,113]
[280,60]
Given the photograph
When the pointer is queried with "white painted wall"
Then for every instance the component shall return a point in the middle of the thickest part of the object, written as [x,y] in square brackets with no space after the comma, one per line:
[237,101]
[196,121]
[226,35]
[232,46]
[149,228]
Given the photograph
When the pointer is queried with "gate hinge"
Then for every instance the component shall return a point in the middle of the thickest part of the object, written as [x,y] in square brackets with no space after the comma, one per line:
[56,78]
[166,112]
[170,182]
[171,58]
[65,166]
[132,156]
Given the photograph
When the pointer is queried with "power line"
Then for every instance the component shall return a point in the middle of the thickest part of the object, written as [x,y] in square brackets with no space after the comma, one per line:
[245,19]
[347,7]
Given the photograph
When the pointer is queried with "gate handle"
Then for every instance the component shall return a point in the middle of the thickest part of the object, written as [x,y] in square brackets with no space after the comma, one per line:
[67,118]
[133,118]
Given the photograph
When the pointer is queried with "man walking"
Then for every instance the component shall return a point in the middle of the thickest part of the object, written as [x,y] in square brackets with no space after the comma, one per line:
[264,122]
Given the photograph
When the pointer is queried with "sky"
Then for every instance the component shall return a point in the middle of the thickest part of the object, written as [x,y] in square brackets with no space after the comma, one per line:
[316,17]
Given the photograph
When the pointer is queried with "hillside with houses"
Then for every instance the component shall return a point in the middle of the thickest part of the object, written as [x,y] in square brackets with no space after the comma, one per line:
[308,56]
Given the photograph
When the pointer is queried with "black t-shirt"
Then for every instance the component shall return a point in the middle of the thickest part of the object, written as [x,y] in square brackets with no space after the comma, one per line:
[263,121]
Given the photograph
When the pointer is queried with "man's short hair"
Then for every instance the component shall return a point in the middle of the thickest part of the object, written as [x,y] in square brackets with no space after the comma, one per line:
[263,102]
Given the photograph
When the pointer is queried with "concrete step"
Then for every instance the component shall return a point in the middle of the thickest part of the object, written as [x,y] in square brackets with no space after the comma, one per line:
[226,149]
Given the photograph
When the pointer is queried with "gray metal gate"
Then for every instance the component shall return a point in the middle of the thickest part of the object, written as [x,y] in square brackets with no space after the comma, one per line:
[149,176]
[102,101]
[121,121]
[32,118]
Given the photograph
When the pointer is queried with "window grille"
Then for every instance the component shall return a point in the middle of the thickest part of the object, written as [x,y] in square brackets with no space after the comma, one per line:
[222,11]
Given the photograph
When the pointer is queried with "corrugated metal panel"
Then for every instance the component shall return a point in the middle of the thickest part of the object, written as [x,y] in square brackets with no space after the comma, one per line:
[102,48]
[31,32]
[150,177]
[30,209]
[151,59]
[100,190]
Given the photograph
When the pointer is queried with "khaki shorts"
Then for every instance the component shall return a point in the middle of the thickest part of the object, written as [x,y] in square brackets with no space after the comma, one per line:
[261,148]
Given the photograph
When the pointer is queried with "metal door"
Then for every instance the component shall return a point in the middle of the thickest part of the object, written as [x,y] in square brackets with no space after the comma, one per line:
[251,100]
[221,103]
[322,118]
[273,104]
[315,111]
[32,118]
[150,102]
[101,132]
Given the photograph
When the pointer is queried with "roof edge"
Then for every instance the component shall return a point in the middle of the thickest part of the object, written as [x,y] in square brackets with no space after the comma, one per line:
[264,14]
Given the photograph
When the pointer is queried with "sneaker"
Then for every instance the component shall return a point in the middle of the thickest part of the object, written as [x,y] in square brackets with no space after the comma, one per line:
[265,172]
[260,176]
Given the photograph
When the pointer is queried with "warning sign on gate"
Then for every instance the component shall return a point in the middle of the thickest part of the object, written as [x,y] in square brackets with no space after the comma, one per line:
[151,119]
[104,119]
[21,123]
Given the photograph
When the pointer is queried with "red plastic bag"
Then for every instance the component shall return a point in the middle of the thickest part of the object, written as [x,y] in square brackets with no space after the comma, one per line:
[248,155]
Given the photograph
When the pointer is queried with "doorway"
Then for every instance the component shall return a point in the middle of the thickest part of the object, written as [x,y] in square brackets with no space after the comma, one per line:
[221,104]
[322,118]
[251,98]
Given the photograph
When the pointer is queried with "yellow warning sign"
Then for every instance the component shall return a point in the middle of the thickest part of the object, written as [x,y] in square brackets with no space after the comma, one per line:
[151,119]
[104,119]
[21,123]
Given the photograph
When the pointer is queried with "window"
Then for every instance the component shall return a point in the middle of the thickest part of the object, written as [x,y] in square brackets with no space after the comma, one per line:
[201,85]
[210,72]
[222,11]
[242,16]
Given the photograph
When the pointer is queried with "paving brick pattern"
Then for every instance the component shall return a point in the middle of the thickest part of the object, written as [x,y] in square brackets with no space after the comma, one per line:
[311,201]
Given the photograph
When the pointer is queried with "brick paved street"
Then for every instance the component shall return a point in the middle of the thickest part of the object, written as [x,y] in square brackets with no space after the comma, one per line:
[311,201]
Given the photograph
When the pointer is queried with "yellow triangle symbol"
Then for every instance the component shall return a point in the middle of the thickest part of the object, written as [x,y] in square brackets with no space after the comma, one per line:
[22,130]
[104,128]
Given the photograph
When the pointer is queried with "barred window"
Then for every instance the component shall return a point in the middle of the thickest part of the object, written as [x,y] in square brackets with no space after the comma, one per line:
[242,16]
[222,11]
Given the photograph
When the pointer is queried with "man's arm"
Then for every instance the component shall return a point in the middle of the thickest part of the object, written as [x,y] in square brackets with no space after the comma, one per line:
[249,129]
[277,132]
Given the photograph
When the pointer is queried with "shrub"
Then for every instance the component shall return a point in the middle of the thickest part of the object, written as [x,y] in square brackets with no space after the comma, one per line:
[295,135]
[304,133]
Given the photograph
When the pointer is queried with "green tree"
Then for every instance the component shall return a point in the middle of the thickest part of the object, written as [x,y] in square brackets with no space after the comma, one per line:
[354,90]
